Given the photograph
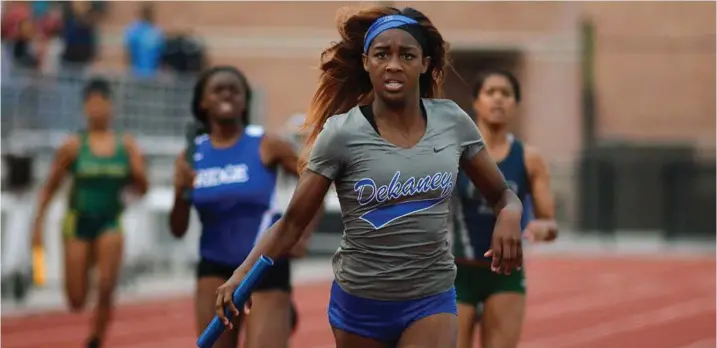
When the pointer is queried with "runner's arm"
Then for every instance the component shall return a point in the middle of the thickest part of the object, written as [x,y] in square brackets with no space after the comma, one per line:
[65,156]
[137,165]
[544,228]
[179,216]
[282,153]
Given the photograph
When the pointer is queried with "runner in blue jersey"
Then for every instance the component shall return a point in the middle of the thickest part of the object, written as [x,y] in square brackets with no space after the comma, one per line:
[393,151]
[229,176]
[501,297]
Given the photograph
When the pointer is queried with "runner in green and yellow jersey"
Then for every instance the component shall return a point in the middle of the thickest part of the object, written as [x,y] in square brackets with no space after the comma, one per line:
[102,163]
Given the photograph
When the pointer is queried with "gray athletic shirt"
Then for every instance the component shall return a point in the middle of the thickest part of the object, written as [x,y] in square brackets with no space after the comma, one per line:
[395,201]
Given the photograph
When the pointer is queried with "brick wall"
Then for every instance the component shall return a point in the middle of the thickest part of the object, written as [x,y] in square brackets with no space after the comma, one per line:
[655,62]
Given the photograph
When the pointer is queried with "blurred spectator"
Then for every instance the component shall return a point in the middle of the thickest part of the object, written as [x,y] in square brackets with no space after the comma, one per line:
[31,35]
[51,43]
[24,49]
[144,43]
[80,31]
[14,12]
[184,53]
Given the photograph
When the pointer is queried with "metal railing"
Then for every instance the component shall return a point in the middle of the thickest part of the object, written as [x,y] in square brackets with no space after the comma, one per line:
[38,112]
[52,104]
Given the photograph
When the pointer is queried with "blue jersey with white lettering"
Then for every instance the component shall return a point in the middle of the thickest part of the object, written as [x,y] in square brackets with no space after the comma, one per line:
[234,194]
[473,217]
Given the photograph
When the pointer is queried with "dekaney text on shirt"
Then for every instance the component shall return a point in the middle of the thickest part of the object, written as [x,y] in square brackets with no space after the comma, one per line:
[368,192]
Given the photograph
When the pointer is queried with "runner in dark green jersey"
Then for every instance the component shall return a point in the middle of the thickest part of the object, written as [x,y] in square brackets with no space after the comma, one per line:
[102,164]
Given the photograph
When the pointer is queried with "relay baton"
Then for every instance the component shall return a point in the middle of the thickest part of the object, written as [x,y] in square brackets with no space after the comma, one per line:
[241,294]
[38,266]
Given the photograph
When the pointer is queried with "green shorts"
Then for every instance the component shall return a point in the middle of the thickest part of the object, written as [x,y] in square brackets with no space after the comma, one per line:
[88,228]
[474,284]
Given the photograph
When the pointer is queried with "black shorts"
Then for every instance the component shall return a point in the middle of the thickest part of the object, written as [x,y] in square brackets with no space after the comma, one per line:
[278,277]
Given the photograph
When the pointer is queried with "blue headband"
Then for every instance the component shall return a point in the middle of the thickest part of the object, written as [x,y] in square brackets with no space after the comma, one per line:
[382,24]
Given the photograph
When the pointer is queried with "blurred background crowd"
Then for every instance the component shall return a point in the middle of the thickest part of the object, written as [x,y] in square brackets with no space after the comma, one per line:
[50,36]
[618,96]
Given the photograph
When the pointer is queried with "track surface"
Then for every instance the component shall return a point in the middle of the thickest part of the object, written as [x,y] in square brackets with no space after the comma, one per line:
[618,302]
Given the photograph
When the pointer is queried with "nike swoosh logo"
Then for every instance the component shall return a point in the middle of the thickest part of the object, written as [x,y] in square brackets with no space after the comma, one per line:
[438,149]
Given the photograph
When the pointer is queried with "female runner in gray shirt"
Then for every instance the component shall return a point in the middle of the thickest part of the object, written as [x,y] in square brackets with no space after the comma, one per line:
[393,152]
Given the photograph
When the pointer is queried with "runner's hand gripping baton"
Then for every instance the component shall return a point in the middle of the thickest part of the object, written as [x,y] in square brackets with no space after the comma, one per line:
[241,294]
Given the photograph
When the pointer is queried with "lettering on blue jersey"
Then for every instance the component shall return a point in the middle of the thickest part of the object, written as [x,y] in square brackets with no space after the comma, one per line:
[215,176]
[201,138]
[368,192]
